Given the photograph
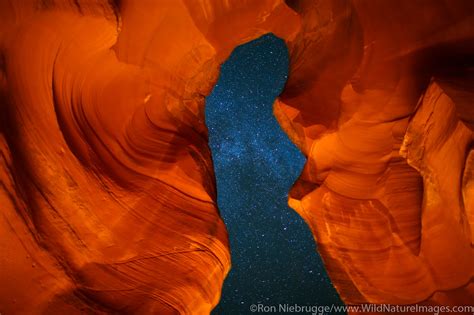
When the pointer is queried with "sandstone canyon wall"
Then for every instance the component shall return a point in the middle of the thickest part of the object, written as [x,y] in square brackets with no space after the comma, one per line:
[107,188]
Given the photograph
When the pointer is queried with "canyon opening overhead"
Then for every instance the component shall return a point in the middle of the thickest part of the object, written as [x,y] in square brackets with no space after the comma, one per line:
[108,189]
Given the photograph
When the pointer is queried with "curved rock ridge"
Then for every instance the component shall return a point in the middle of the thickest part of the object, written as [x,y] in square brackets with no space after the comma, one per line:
[107,188]
[383,115]
[108,192]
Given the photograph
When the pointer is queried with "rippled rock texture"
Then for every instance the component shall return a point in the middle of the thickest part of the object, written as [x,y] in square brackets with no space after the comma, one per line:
[107,189]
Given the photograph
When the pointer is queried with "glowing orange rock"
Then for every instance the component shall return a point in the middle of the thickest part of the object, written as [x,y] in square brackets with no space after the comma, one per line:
[108,193]
[383,189]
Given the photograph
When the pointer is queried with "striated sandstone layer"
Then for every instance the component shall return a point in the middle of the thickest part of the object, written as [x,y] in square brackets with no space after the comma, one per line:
[386,124]
[107,191]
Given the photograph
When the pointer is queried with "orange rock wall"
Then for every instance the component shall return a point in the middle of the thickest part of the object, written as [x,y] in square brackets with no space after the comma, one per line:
[107,189]
[384,121]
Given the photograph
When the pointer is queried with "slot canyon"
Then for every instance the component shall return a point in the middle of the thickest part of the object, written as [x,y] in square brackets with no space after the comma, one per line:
[108,189]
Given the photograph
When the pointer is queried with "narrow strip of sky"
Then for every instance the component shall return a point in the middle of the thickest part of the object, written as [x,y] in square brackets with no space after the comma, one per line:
[273,252]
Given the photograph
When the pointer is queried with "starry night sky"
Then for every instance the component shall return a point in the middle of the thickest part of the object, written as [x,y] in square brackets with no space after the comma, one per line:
[274,259]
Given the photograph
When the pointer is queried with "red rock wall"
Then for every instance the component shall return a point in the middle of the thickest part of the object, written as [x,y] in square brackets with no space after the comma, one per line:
[382,114]
[107,189]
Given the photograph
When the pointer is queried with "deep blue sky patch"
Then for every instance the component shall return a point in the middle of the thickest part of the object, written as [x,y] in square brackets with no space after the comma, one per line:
[274,259]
